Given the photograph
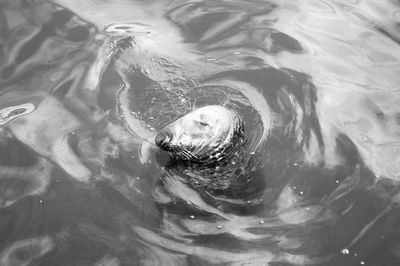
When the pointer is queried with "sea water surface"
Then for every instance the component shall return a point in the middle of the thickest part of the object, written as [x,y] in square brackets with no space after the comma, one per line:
[86,84]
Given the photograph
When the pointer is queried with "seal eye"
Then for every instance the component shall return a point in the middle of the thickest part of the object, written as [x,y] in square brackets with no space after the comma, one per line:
[204,124]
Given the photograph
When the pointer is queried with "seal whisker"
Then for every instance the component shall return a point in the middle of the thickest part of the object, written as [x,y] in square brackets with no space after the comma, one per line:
[205,135]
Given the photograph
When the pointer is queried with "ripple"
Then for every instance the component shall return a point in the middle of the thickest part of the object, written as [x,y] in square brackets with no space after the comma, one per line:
[45,133]
[17,183]
[86,84]
[23,252]
[9,113]
[256,100]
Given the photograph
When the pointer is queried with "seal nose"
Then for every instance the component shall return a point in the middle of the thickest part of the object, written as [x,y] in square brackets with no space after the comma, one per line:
[163,138]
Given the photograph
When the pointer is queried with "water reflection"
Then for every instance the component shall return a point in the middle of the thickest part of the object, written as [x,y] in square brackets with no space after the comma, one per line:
[85,86]
[24,251]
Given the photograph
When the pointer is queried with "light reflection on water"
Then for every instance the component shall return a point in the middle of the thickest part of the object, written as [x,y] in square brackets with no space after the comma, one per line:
[85,85]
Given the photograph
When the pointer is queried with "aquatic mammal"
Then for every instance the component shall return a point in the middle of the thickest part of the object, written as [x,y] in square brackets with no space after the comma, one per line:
[205,135]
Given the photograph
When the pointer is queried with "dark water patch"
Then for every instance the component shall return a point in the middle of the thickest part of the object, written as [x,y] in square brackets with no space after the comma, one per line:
[15,154]
[374,215]
[28,41]
[2,56]
[110,84]
[4,31]
[78,34]
[234,29]
[197,27]
[7,71]
[283,41]
[13,188]
[391,35]
[29,76]
[62,90]
[33,44]
[61,17]
[22,219]
[26,251]
[253,61]
[210,23]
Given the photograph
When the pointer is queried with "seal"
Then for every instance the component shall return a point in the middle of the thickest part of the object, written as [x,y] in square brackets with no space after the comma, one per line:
[206,135]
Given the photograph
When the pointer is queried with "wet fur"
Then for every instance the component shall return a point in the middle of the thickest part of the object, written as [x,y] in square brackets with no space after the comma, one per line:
[201,137]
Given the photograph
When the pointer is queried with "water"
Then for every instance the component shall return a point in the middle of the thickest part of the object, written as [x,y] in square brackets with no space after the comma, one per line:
[85,86]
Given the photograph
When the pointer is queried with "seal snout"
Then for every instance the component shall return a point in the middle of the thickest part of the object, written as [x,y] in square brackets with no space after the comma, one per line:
[204,135]
[163,138]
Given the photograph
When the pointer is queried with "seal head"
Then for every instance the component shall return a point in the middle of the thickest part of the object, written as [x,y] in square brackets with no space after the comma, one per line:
[205,135]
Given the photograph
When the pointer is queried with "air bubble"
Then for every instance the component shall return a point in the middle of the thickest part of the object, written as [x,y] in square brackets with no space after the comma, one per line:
[345,251]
